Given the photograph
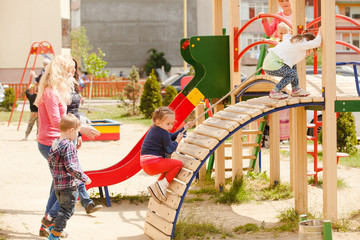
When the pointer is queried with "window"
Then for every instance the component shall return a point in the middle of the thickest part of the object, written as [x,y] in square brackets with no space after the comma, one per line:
[257,7]
[249,38]
[352,38]
[347,11]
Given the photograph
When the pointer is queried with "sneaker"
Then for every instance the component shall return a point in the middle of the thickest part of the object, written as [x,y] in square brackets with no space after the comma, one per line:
[43,232]
[48,232]
[277,95]
[92,207]
[52,237]
[299,93]
[47,223]
[153,192]
[161,189]
[25,139]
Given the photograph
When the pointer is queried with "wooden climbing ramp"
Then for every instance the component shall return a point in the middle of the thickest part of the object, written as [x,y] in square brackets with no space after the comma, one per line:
[199,145]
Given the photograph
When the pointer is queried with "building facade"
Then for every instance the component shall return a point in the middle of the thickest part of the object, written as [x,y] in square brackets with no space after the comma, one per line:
[24,22]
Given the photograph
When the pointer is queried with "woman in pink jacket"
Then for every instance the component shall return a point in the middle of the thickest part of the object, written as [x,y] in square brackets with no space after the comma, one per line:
[54,94]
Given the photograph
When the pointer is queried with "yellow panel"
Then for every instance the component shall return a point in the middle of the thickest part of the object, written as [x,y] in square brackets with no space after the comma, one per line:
[195,96]
[108,129]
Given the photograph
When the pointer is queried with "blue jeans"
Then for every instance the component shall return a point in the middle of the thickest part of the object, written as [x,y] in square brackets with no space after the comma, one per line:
[289,76]
[67,199]
[52,206]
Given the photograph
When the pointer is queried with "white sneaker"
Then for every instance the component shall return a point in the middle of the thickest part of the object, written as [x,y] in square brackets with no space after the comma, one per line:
[161,187]
[277,95]
[154,193]
[299,93]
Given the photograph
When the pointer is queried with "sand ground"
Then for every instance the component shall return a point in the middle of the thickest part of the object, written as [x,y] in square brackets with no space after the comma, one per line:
[25,181]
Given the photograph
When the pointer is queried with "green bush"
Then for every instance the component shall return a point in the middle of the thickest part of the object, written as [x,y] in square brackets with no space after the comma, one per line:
[151,97]
[9,99]
[170,94]
[346,134]
[156,60]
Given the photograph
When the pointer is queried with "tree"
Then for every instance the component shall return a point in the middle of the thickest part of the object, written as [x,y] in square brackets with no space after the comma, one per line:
[132,90]
[156,60]
[151,97]
[346,134]
[9,99]
[170,94]
[79,44]
[94,65]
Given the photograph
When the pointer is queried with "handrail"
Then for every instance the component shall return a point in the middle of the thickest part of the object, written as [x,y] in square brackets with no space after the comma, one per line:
[233,90]
[343,17]
[355,73]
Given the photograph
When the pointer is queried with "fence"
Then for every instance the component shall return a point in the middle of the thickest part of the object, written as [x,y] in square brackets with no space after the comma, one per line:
[99,88]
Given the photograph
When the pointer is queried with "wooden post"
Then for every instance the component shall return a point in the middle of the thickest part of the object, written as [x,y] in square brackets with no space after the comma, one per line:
[185,27]
[200,108]
[329,119]
[274,148]
[292,121]
[300,157]
[220,159]
[217,17]
[235,79]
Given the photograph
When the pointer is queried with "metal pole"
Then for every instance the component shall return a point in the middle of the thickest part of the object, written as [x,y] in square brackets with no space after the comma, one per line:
[185,27]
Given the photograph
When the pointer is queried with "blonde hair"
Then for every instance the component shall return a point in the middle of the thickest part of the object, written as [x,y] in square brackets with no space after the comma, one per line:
[69,121]
[57,76]
[161,112]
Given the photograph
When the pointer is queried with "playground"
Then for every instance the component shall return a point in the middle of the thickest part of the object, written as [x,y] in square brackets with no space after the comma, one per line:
[23,195]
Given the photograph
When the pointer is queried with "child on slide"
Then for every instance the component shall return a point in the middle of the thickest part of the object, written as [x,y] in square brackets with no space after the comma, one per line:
[282,59]
[157,143]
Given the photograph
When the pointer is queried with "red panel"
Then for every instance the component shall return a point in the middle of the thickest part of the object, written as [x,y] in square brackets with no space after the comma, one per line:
[181,113]
[103,137]
[177,101]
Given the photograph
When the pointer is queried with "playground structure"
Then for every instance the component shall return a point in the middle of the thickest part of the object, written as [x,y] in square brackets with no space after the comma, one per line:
[37,48]
[216,73]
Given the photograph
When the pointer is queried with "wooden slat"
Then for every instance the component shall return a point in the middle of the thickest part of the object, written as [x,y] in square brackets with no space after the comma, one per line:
[250,144]
[305,99]
[188,162]
[347,97]
[260,106]
[155,233]
[268,101]
[317,98]
[201,140]
[240,118]
[162,210]
[184,175]
[253,112]
[221,123]
[211,131]
[249,157]
[159,223]
[177,187]
[292,100]
[192,150]
[172,200]
[251,132]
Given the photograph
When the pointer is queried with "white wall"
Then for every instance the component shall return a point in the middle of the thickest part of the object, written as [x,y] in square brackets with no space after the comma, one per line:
[25,22]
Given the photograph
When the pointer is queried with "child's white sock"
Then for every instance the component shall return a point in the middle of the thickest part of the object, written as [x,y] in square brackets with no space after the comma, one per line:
[48,217]
[164,182]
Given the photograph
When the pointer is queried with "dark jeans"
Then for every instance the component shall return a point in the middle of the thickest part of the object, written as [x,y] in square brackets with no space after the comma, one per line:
[67,199]
[289,75]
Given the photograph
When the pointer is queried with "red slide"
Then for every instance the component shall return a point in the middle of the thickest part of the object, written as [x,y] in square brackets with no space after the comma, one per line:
[130,165]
